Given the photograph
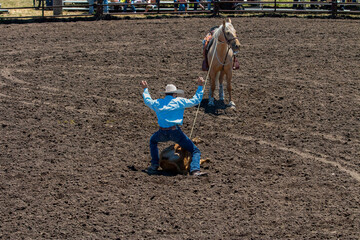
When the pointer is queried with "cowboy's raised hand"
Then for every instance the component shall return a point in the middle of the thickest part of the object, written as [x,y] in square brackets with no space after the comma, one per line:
[144,84]
[201,81]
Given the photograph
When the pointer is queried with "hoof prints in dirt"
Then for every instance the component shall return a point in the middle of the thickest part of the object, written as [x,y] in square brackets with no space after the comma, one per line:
[75,131]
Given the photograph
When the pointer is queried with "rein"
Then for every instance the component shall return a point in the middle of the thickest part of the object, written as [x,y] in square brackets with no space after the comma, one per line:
[227,52]
[228,41]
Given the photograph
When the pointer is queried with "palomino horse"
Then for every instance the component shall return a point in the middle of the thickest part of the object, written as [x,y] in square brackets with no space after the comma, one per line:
[220,59]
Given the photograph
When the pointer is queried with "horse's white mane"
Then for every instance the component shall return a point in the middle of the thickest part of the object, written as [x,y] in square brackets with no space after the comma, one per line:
[218,31]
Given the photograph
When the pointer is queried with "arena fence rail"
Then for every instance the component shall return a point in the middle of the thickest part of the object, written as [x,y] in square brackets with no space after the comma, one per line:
[102,8]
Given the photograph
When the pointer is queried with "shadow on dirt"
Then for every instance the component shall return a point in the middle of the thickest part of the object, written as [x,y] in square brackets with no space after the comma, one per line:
[218,109]
[161,173]
[158,173]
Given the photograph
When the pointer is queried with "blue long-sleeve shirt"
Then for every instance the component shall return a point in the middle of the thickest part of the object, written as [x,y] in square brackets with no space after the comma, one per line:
[170,110]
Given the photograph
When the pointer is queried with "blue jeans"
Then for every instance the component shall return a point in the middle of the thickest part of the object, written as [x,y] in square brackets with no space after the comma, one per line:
[132,7]
[196,3]
[91,8]
[209,4]
[182,7]
[178,137]
[106,8]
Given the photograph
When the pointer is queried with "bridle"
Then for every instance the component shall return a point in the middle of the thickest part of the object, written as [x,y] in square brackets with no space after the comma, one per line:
[228,42]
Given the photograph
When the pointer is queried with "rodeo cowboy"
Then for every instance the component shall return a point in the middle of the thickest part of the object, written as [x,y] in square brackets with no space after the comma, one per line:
[170,113]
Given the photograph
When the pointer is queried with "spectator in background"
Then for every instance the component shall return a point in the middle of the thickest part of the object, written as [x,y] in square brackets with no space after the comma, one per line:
[106,8]
[132,5]
[209,4]
[182,5]
[196,3]
[104,2]
[150,6]
[91,7]
[115,8]
[175,5]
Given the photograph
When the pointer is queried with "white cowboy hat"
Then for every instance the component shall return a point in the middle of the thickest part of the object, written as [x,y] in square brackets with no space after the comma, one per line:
[170,88]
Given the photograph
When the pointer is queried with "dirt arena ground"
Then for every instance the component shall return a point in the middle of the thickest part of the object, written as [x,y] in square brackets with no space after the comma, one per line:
[75,131]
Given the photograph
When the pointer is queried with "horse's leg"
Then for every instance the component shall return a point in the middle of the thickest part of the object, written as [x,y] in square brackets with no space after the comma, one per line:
[228,81]
[221,86]
[211,98]
[212,77]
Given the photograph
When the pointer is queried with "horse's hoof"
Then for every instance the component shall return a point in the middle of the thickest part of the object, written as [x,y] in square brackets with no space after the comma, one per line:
[231,104]
[211,103]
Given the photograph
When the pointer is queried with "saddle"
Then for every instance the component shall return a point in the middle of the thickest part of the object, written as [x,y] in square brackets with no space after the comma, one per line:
[208,44]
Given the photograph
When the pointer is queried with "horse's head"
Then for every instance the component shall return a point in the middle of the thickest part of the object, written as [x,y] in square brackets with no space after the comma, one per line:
[230,35]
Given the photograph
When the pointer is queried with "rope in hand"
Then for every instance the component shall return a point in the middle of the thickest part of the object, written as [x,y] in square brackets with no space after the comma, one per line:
[207,76]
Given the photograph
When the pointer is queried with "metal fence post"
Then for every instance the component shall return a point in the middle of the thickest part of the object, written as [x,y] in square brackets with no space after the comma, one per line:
[57,7]
[216,7]
[42,8]
[99,9]
[333,8]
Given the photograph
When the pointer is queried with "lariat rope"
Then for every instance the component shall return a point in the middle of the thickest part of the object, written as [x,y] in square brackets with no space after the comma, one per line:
[207,76]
